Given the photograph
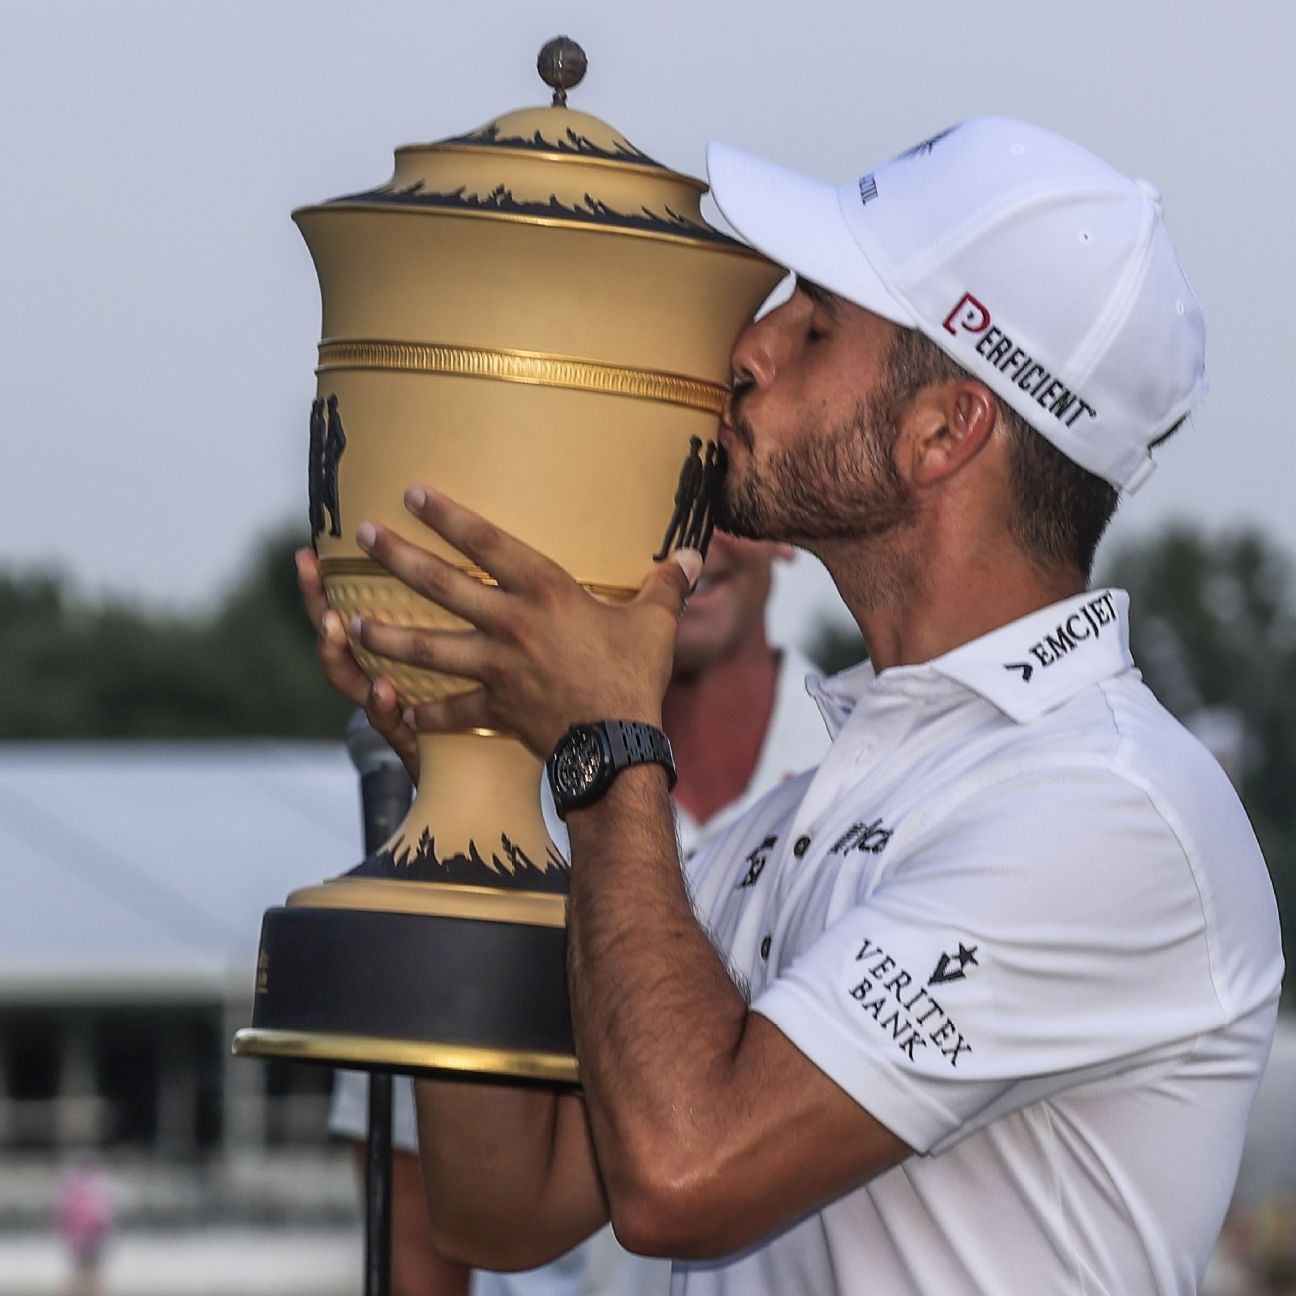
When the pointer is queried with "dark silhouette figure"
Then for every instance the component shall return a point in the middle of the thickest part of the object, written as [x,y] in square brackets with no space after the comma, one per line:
[688,497]
[702,523]
[315,468]
[714,485]
[334,445]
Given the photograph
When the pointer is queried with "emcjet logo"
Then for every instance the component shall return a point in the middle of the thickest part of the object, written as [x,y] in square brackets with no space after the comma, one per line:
[1049,393]
[1087,623]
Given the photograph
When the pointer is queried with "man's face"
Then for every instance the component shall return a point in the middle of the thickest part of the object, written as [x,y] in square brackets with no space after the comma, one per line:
[728,604]
[811,426]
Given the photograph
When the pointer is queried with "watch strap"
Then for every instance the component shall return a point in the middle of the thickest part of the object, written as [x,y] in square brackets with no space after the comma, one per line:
[631,742]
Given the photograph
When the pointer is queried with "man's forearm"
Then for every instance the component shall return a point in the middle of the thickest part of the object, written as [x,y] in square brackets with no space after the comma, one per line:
[658,1020]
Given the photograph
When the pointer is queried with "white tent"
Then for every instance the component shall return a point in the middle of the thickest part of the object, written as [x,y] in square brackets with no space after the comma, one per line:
[139,871]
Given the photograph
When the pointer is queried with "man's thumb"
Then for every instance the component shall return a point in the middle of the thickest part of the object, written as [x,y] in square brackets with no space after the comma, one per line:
[672,582]
[690,563]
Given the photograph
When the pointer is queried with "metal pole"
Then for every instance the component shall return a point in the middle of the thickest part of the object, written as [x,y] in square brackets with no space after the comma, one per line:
[378,1187]
[384,796]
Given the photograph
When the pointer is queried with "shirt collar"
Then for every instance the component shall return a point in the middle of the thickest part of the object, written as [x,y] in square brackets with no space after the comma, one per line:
[838,695]
[1044,659]
[1024,668]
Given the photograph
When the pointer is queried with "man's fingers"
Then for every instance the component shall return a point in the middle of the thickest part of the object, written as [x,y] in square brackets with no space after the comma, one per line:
[311,585]
[514,564]
[452,652]
[340,666]
[670,583]
[453,714]
[437,580]
[690,562]
[383,708]
[378,698]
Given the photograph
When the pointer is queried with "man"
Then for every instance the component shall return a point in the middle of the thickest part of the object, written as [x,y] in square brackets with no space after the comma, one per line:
[740,723]
[992,1015]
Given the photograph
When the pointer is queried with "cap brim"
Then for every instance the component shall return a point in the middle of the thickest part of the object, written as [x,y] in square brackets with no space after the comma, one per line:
[797,222]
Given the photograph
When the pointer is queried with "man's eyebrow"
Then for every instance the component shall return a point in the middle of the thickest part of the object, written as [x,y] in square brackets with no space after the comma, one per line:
[820,296]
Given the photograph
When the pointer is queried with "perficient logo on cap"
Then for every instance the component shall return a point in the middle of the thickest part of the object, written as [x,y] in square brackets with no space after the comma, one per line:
[971,315]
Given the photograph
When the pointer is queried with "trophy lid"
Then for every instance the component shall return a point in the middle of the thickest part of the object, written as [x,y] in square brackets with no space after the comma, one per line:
[552,165]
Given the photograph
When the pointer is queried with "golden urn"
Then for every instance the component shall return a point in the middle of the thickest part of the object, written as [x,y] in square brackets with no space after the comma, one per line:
[536,319]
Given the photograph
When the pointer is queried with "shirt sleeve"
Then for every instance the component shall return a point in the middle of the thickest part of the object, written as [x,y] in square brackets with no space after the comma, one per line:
[1051,935]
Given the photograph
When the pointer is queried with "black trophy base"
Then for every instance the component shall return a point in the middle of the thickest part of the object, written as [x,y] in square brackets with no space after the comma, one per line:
[415,993]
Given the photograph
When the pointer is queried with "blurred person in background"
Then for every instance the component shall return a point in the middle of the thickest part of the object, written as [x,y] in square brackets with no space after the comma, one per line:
[85,1224]
[740,722]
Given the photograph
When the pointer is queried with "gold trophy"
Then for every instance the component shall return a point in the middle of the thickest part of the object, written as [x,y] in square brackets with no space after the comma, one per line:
[535,319]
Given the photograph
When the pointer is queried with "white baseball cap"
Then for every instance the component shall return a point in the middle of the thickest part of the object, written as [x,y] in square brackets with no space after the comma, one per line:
[1036,266]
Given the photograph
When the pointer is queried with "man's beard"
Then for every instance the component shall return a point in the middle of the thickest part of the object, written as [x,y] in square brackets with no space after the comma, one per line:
[840,486]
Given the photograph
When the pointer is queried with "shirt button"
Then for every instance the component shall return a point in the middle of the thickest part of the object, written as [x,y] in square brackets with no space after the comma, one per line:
[800,846]
[765,948]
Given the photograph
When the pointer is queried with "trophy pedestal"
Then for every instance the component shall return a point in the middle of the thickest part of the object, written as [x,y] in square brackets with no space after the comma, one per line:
[415,993]
[444,950]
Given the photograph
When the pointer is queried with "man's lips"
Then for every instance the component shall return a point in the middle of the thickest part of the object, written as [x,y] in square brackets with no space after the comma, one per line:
[729,433]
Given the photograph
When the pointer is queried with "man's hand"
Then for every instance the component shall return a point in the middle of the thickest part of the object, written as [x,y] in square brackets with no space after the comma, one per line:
[545,653]
[343,671]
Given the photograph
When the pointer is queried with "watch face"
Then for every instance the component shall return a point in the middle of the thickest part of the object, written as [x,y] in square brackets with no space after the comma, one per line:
[576,767]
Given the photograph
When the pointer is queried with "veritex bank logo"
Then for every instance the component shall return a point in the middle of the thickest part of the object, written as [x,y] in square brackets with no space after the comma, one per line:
[903,1009]
[1088,623]
[969,315]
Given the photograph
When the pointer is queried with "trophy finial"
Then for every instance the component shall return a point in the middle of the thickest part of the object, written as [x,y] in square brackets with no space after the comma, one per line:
[561,65]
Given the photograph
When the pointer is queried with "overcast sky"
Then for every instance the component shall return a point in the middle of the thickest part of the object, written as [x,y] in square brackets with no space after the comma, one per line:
[159,312]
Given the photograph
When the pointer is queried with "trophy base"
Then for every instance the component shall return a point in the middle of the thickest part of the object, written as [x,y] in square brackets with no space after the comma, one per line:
[414,992]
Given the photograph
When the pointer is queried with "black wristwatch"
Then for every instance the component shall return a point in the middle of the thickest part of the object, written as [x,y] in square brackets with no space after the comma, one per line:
[589,756]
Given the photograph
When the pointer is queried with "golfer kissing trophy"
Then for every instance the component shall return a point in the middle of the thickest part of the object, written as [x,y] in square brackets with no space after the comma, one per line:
[535,319]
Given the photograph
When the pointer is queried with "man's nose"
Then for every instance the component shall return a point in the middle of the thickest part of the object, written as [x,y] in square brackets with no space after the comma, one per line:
[752,357]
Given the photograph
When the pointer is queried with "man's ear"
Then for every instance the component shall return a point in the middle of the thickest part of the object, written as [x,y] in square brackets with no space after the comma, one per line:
[950,424]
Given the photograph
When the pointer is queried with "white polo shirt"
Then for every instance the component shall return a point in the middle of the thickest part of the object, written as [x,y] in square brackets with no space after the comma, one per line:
[1020,916]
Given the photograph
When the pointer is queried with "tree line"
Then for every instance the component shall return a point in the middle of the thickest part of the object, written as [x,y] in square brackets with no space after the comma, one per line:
[110,669]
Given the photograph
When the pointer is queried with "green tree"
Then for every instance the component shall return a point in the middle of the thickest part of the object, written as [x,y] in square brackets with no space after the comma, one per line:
[112,670]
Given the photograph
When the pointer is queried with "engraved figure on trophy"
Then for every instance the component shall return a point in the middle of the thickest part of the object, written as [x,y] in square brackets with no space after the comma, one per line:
[702,523]
[688,497]
[334,445]
[315,468]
